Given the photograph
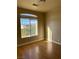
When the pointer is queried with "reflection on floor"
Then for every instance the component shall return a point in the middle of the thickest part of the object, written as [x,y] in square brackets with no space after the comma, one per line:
[40,50]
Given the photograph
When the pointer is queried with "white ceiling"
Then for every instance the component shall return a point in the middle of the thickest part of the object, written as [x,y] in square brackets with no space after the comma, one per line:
[43,7]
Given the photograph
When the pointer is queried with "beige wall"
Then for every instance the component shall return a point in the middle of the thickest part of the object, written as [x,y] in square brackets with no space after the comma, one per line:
[49,24]
[41,21]
[53,20]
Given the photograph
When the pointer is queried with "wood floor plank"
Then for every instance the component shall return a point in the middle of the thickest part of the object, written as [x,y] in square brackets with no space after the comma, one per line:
[40,50]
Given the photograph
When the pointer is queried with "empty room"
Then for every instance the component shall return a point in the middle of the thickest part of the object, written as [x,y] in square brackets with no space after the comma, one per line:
[38,29]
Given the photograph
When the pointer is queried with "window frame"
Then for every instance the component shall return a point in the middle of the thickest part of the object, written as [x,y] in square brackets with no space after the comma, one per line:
[30,17]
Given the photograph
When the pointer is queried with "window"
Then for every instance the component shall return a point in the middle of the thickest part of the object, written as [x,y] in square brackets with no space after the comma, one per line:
[29,27]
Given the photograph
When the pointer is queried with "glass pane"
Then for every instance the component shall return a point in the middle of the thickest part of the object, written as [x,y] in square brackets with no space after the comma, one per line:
[25,27]
[34,27]
[28,27]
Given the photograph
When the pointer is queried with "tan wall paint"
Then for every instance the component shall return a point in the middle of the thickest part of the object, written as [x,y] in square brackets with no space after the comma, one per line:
[41,26]
[53,20]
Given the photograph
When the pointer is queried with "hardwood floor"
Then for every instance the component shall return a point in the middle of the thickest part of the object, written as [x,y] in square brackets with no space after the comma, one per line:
[40,50]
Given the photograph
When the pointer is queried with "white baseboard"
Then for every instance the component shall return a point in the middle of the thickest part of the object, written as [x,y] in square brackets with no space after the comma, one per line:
[55,42]
[37,41]
[28,43]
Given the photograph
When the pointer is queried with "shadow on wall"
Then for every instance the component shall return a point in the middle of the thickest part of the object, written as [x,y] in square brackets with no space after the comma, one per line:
[54,29]
[53,23]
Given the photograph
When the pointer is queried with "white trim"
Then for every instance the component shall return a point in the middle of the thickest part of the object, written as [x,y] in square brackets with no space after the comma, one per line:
[29,42]
[55,42]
